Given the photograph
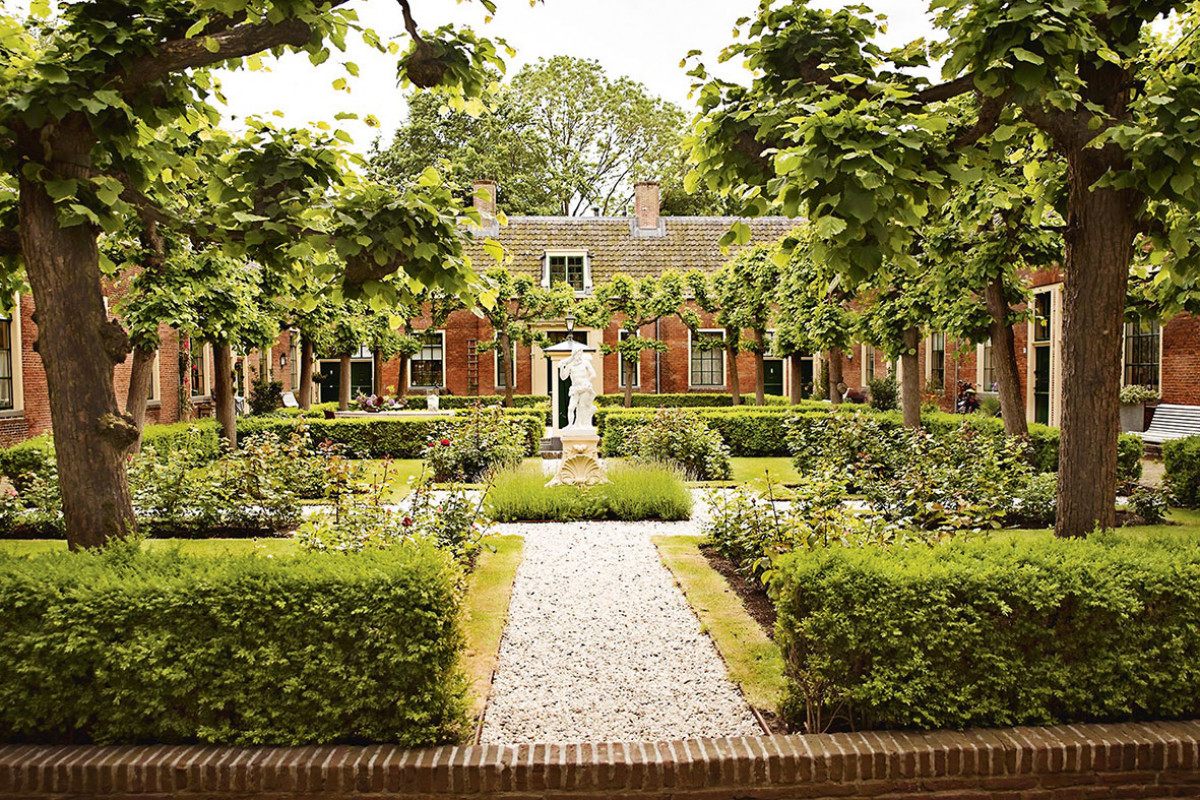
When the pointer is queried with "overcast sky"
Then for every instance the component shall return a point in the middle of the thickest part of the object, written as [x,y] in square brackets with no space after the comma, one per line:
[642,39]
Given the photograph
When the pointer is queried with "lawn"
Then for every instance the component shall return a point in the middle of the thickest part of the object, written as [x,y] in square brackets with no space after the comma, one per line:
[1183,522]
[754,661]
[273,547]
[488,591]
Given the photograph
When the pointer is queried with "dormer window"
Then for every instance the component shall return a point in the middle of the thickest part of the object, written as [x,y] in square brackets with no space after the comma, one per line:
[571,268]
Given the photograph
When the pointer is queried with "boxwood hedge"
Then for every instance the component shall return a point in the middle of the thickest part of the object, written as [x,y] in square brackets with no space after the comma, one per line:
[1030,631]
[237,650]
[1181,462]
[681,400]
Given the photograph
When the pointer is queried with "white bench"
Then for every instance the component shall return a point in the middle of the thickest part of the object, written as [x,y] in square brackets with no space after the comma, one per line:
[1172,422]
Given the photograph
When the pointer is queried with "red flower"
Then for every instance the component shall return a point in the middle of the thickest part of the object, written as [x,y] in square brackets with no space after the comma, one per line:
[430,444]
[445,442]
[407,522]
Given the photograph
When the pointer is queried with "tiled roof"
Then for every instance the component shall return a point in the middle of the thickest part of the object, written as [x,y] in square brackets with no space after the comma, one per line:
[613,246]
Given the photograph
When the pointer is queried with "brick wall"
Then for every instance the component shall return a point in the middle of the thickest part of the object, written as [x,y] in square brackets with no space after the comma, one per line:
[1155,760]
[1181,360]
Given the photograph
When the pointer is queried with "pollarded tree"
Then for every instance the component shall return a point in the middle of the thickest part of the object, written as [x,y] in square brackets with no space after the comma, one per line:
[754,278]
[516,304]
[637,304]
[711,294]
[837,128]
[101,110]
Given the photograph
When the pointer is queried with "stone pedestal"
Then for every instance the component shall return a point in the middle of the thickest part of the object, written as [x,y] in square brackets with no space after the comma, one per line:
[580,464]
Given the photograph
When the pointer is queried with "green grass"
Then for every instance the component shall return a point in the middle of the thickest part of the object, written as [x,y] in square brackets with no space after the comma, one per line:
[486,610]
[634,492]
[1186,524]
[754,661]
[213,547]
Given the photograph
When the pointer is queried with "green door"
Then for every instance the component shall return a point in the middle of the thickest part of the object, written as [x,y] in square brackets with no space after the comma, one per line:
[362,379]
[806,376]
[1041,383]
[773,376]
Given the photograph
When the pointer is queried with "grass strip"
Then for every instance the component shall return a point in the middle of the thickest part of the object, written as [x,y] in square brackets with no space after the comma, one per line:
[754,661]
[486,610]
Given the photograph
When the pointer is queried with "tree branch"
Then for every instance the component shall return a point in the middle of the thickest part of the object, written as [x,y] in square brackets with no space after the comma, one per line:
[990,109]
[945,91]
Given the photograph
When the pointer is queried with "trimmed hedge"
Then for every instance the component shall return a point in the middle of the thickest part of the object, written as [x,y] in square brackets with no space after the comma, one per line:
[1030,631]
[34,455]
[1181,462]
[681,400]
[125,647]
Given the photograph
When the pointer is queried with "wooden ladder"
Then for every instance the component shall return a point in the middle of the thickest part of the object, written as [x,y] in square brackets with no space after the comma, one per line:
[472,366]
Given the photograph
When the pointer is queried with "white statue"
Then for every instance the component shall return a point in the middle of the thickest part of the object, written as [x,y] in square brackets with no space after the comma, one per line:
[582,407]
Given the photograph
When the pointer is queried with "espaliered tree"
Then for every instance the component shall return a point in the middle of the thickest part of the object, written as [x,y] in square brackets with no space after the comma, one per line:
[712,295]
[517,305]
[637,304]
[754,277]
[838,129]
[103,108]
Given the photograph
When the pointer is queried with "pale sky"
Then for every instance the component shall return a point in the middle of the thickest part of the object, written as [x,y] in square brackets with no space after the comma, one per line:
[642,39]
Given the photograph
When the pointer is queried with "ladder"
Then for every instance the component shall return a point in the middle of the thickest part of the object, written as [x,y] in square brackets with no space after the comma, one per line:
[472,366]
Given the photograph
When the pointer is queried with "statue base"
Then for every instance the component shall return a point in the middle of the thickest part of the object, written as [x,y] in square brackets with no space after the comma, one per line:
[580,464]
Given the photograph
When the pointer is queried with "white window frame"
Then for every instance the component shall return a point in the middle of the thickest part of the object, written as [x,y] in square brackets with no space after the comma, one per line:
[587,268]
[155,381]
[1162,326]
[868,357]
[929,356]
[17,355]
[442,335]
[724,361]
[637,367]
[496,361]
[206,365]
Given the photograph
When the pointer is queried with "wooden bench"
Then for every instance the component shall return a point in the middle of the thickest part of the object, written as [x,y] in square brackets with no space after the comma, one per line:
[1172,422]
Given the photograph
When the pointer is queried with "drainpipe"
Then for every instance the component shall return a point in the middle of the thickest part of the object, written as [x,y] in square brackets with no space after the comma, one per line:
[657,360]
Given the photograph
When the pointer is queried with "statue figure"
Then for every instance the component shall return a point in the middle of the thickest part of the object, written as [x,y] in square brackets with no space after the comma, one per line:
[582,406]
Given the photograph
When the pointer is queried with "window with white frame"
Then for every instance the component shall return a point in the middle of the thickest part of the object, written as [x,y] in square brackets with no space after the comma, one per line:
[501,382]
[1143,353]
[635,366]
[8,394]
[987,367]
[427,368]
[707,360]
[937,359]
[198,376]
[154,396]
[569,268]
[868,354]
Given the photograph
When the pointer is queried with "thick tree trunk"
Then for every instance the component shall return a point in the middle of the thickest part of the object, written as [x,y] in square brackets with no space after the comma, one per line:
[910,379]
[141,378]
[78,345]
[760,378]
[835,376]
[821,379]
[304,390]
[796,378]
[507,371]
[402,389]
[1099,248]
[1004,359]
[344,383]
[377,369]
[223,392]
[735,378]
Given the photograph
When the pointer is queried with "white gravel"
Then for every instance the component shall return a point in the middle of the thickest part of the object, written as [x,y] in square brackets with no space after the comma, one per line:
[602,646]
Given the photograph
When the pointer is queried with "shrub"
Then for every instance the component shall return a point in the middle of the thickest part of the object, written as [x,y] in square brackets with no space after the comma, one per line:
[1034,502]
[33,456]
[1031,631]
[689,400]
[1137,395]
[198,437]
[265,396]
[479,442]
[1130,450]
[750,431]
[1181,463]
[676,437]
[1150,505]
[885,393]
[634,492]
[156,646]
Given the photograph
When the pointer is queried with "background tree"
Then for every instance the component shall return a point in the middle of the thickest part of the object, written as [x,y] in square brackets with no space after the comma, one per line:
[850,135]
[753,279]
[712,295]
[637,304]
[891,317]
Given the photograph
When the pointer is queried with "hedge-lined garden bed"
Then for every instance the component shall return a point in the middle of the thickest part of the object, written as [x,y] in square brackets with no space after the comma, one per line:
[1032,631]
[160,647]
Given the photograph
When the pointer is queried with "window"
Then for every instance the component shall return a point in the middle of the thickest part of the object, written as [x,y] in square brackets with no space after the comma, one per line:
[8,398]
[868,363]
[937,359]
[1143,365]
[199,371]
[425,368]
[501,383]
[153,397]
[294,359]
[987,367]
[707,358]
[637,372]
[1041,322]
[568,268]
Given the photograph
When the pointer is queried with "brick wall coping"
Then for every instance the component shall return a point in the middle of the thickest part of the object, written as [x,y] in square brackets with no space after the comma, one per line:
[1144,760]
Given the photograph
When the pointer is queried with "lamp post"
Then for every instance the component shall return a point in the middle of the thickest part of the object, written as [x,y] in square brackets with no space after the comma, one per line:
[570,321]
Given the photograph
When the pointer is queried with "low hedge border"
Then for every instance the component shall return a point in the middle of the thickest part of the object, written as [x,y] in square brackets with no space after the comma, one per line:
[684,400]
[157,646]
[1017,631]
[1181,465]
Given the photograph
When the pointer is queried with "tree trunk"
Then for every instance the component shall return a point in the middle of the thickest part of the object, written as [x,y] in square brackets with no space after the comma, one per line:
[821,379]
[402,389]
[628,367]
[910,379]
[760,378]
[344,383]
[223,392]
[304,390]
[796,381]
[1004,360]
[78,346]
[735,378]
[506,370]
[1099,248]
[835,376]
[141,378]
[377,369]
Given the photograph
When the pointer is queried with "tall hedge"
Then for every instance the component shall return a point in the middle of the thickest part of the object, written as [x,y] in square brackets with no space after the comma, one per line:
[1181,464]
[238,650]
[1029,631]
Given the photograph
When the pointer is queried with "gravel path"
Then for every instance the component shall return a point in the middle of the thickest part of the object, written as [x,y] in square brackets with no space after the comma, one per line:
[602,646]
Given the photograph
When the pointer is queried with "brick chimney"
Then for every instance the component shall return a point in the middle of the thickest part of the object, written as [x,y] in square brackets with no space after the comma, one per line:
[485,199]
[645,195]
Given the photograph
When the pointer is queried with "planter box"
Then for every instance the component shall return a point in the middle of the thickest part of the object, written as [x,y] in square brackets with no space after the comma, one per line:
[1133,417]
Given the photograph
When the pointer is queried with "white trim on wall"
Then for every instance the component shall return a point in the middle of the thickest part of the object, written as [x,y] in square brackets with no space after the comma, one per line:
[17,357]
[587,267]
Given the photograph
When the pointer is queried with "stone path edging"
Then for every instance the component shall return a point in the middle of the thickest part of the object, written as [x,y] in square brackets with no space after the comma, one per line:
[1128,760]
